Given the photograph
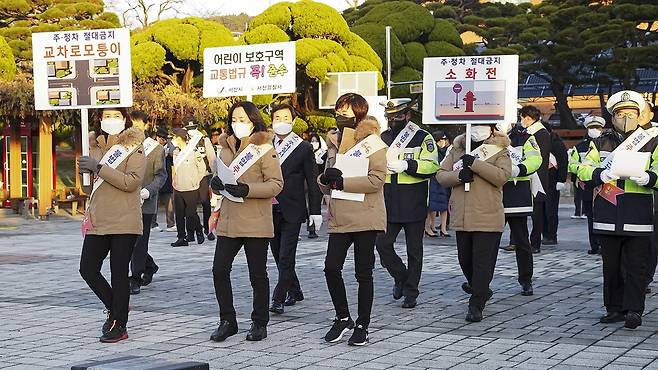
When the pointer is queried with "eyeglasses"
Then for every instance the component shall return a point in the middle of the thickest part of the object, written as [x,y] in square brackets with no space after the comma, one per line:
[631,115]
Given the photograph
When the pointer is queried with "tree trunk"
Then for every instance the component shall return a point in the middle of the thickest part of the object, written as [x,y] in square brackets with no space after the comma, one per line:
[562,106]
[604,111]
[188,78]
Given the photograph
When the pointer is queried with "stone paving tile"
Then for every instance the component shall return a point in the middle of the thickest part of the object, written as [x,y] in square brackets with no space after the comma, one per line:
[55,319]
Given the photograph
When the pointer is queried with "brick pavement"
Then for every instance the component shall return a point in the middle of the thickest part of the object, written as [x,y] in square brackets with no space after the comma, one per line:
[52,320]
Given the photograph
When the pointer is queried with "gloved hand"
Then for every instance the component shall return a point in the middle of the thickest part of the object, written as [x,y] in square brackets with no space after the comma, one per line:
[216,185]
[240,190]
[467,160]
[466,175]
[319,160]
[333,178]
[88,164]
[515,171]
[144,194]
[606,176]
[642,180]
[560,186]
[398,166]
[315,220]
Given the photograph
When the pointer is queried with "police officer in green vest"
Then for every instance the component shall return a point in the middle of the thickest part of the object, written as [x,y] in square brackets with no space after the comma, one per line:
[623,208]
[518,198]
[412,160]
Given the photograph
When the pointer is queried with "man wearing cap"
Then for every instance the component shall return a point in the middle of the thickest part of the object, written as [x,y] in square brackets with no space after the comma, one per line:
[518,199]
[594,126]
[165,196]
[623,208]
[412,159]
[204,151]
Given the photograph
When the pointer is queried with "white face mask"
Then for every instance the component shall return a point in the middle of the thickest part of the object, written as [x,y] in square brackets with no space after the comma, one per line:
[242,130]
[593,133]
[113,126]
[315,145]
[504,127]
[480,133]
[282,128]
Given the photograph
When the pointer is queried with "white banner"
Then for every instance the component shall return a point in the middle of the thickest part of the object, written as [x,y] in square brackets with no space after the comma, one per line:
[82,69]
[249,70]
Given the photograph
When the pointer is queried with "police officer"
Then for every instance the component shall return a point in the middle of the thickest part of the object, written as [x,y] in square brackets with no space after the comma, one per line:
[412,158]
[594,126]
[205,151]
[518,199]
[623,209]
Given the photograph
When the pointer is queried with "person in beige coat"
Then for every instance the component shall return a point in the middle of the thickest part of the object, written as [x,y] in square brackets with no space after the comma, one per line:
[113,219]
[477,215]
[248,223]
[354,222]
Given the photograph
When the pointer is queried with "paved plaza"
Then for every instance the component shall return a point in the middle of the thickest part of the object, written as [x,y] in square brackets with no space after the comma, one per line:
[51,319]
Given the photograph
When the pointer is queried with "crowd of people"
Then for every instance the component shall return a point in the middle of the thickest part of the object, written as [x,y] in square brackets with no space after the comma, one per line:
[257,186]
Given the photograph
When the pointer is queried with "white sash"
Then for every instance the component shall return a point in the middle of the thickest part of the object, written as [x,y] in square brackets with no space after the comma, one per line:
[401,141]
[366,147]
[250,155]
[288,145]
[516,155]
[112,158]
[483,152]
[189,149]
[535,127]
[633,143]
[319,154]
[149,144]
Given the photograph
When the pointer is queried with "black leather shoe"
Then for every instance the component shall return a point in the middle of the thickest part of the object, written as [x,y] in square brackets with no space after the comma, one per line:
[211,236]
[536,250]
[397,291]
[299,296]
[224,330]
[474,314]
[276,308]
[312,235]
[199,237]
[549,242]
[290,300]
[409,302]
[510,248]
[134,286]
[612,317]
[147,277]
[180,243]
[593,251]
[256,332]
[527,289]
[632,320]
[647,290]
[466,287]
[190,238]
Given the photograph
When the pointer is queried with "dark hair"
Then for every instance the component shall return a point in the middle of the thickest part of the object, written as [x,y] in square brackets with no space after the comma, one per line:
[124,113]
[530,111]
[439,135]
[357,102]
[314,135]
[283,106]
[252,112]
[139,115]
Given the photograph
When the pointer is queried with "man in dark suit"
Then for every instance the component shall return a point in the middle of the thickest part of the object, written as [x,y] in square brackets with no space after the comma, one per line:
[289,207]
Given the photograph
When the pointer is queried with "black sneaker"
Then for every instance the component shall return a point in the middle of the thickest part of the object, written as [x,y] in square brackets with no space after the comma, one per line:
[474,314]
[277,308]
[312,235]
[338,329]
[359,337]
[199,237]
[180,243]
[115,334]
[397,291]
[299,296]
[147,277]
[509,248]
[108,322]
[189,238]
[632,320]
[290,300]
[409,302]
[527,289]
[134,286]
[225,329]
[466,287]
[256,332]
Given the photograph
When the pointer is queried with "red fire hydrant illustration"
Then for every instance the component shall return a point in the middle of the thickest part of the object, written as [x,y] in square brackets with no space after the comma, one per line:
[469,98]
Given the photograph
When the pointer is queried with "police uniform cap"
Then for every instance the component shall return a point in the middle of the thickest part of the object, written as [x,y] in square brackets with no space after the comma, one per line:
[592,121]
[625,99]
[393,106]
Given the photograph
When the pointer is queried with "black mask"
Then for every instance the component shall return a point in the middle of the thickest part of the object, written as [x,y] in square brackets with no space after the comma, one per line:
[342,122]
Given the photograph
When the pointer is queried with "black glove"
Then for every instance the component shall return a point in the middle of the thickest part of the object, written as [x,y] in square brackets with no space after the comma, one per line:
[467,160]
[240,190]
[216,185]
[88,164]
[466,175]
[333,178]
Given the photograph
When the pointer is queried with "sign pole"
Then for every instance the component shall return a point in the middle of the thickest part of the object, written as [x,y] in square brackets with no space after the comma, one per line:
[84,130]
[250,97]
[388,62]
[467,186]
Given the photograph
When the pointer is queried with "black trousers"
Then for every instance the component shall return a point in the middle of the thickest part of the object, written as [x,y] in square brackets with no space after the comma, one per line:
[477,252]
[578,199]
[204,198]
[551,209]
[408,276]
[625,263]
[284,249]
[518,227]
[256,251]
[141,260]
[537,224]
[364,263]
[94,250]
[186,217]
[593,238]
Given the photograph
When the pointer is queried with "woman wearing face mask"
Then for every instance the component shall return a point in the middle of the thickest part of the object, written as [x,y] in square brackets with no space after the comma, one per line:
[246,148]
[438,195]
[319,150]
[113,217]
[354,222]
[477,215]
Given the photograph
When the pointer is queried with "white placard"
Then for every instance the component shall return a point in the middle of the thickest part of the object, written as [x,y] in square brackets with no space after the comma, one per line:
[350,167]
[82,69]
[627,163]
[470,89]
[249,70]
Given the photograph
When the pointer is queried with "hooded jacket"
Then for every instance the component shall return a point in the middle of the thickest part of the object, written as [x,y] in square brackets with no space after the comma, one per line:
[115,206]
[253,218]
[481,208]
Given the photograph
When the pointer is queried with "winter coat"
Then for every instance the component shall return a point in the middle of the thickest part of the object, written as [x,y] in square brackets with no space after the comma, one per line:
[155,176]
